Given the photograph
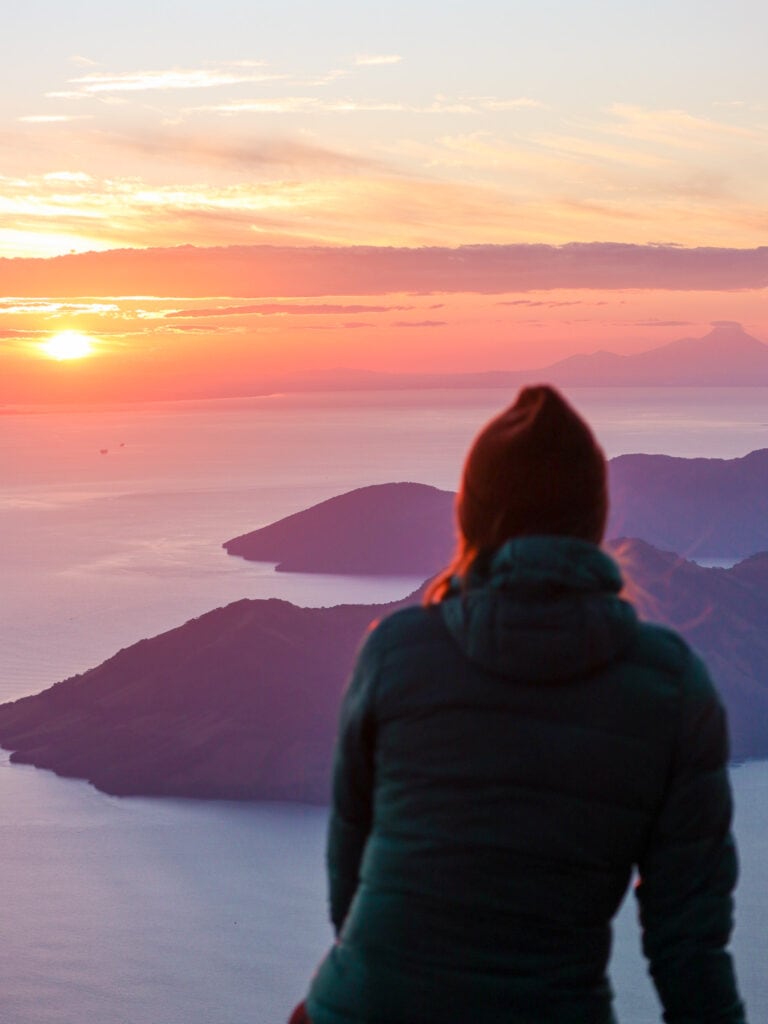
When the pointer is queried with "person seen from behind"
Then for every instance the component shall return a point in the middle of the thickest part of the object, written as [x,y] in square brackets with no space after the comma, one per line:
[509,754]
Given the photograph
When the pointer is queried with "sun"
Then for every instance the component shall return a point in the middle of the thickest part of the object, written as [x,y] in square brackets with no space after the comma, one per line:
[68,345]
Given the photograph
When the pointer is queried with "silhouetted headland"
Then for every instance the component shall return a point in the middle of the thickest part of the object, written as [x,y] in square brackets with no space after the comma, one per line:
[402,529]
[241,703]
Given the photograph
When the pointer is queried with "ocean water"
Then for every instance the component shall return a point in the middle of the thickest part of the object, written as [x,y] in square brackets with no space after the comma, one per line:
[132,911]
[101,550]
[178,912]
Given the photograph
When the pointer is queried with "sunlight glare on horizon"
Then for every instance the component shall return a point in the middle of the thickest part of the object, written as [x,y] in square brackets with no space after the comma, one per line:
[68,345]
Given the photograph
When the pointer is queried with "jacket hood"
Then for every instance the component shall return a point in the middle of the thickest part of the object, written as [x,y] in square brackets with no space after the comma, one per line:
[541,609]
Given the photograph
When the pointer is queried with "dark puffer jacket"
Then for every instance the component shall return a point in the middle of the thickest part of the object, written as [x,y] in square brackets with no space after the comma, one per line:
[505,759]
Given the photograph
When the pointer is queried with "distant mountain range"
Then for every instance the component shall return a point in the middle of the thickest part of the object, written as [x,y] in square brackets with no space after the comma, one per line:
[241,703]
[725,357]
[703,508]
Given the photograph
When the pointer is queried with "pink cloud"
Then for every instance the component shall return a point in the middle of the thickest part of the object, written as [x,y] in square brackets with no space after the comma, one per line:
[273,308]
[234,152]
[663,323]
[254,271]
[350,325]
[531,302]
[419,323]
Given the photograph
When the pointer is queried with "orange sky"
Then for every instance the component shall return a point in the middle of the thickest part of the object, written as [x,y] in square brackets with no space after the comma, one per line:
[178,347]
[524,188]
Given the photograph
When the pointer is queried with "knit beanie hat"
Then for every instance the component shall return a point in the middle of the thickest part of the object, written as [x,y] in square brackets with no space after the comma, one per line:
[534,469]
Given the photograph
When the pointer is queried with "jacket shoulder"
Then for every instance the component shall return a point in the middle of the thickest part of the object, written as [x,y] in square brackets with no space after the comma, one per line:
[405,627]
[662,650]
[395,644]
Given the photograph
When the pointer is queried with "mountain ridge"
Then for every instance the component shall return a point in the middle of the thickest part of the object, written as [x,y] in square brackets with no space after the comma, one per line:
[727,356]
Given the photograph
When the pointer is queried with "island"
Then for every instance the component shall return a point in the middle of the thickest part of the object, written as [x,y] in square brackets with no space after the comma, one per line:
[398,529]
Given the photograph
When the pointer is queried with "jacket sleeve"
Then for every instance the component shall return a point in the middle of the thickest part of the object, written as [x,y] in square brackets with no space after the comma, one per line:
[689,869]
[352,801]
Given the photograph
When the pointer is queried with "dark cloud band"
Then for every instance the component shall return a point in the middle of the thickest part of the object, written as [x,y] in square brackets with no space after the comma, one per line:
[270,271]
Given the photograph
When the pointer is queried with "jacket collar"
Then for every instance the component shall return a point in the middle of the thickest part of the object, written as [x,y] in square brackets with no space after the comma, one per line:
[547,564]
[541,609]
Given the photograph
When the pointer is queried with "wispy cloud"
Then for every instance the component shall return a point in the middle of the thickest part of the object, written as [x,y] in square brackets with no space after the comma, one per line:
[513,103]
[53,118]
[170,78]
[440,104]
[283,309]
[69,177]
[674,128]
[372,59]
[241,152]
[196,329]
[317,105]
[53,309]
[662,323]
[286,193]
[231,181]
[585,147]
[10,333]
[539,302]
[351,325]
[420,323]
[327,78]
[341,205]
[65,94]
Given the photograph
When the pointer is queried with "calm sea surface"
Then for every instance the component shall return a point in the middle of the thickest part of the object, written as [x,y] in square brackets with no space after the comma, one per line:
[179,912]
